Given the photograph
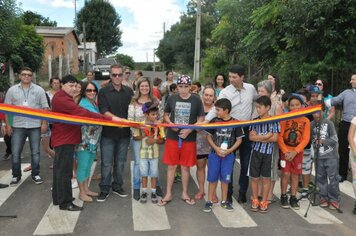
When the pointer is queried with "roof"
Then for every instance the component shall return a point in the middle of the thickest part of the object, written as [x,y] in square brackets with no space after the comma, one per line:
[88,45]
[56,31]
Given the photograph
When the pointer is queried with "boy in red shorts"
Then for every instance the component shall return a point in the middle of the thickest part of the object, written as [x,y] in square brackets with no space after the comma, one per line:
[292,140]
[183,108]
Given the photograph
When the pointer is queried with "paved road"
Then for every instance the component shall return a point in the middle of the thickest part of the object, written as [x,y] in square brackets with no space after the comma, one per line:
[123,216]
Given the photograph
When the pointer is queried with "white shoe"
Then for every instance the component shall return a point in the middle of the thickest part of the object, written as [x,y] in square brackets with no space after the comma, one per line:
[74,183]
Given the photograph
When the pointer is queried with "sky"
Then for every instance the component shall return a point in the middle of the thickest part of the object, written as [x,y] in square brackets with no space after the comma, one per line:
[141,20]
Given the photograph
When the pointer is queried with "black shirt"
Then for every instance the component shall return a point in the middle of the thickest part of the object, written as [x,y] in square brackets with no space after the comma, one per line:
[116,102]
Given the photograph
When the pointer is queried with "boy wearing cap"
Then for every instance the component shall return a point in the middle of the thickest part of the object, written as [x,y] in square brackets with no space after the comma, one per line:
[183,108]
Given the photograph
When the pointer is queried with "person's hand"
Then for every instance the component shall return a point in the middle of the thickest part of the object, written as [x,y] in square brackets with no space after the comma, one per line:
[269,135]
[220,152]
[117,119]
[253,133]
[183,134]
[290,155]
[8,130]
[44,128]
[137,138]
[150,141]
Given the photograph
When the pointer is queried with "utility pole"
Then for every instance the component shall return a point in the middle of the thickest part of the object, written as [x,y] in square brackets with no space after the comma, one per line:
[197,43]
[154,60]
[85,50]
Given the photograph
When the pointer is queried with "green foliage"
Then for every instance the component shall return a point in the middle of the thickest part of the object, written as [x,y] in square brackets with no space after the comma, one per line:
[33,18]
[101,24]
[125,60]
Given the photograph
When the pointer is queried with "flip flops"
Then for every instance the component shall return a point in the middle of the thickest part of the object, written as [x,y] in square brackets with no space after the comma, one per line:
[163,202]
[188,201]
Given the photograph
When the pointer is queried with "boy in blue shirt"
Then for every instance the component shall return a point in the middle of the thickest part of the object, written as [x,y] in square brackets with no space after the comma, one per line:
[224,141]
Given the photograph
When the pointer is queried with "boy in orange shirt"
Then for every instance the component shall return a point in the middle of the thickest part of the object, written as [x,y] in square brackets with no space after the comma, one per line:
[294,136]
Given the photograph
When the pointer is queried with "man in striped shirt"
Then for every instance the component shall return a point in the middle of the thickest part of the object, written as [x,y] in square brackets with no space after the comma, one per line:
[263,137]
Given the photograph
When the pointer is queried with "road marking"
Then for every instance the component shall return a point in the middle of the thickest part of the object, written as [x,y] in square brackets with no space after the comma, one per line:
[148,217]
[235,219]
[56,221]
[5,193]
[316,214]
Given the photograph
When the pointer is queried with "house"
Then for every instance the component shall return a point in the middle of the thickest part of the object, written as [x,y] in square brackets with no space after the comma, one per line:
[61,43]
[90,51]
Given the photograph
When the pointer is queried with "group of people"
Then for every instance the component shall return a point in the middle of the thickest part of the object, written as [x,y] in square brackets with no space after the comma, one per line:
[267,151]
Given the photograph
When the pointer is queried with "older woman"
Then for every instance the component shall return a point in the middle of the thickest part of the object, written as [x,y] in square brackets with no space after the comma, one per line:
[203,147]
[85,152]
[143,94]
[265,88]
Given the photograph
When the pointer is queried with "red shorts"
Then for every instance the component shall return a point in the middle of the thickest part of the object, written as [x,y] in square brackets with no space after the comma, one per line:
[294,166]
[185,156]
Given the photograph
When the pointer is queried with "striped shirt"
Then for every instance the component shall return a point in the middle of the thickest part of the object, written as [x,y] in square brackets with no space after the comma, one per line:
[263,129]
[347,99]
[33,97]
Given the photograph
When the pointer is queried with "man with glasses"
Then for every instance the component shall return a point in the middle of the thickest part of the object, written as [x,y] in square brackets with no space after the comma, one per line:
[114,100]
[30,95]
[242,95]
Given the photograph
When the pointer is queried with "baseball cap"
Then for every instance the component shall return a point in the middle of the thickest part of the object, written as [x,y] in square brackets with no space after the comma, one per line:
[314,89]
[184,79]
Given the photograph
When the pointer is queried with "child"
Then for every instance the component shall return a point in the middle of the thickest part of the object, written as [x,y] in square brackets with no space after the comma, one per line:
[325,141]
[352,142]
[263,137]
[294,137]
[183,108]
[224,141]
[149,151]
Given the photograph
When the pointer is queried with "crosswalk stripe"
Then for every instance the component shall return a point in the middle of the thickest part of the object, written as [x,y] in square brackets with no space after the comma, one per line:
[56,221]
[316,215]
[235,219]
[6,179]
[148,216]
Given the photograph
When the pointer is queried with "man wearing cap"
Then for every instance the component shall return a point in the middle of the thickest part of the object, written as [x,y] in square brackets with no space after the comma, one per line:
[242,95]
[182,109]
[347,99]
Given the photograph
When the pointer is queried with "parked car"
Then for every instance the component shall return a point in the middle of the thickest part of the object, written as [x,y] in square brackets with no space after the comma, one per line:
[102,68]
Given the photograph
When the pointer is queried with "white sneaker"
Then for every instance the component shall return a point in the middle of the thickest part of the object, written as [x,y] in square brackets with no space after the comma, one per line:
[74,183]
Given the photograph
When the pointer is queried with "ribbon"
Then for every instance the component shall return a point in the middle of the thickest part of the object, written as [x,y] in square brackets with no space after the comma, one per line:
[80,120]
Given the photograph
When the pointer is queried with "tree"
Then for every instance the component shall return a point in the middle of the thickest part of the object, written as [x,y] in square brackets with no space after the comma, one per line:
[125,60]
[101,25]
[33,18]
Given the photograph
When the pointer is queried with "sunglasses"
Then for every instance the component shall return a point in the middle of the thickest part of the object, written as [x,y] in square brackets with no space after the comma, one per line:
[319,84]
[91,91]
[117,75]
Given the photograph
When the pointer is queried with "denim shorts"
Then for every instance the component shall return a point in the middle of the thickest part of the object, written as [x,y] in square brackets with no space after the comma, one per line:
[149,167]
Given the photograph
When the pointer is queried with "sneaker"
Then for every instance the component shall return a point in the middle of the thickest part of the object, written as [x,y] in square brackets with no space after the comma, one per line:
[334,205]
[121,192]
[143,198]
[102,197]
[208,206]
[74,183]
[254,205]
[37,179]
[227,206]
[136,194]
[293,201]
[242,198]
[159,191]
[6,156]
[154,199]
[284,201]
[304,194]
[323,203]
[15,181]
[263,207]
[178,178]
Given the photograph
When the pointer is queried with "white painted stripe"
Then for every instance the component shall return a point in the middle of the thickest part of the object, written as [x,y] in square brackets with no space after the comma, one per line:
[345,187]
[5,193]
[316,214]
[56,221]
[148,216]
[1,139]
[233,219]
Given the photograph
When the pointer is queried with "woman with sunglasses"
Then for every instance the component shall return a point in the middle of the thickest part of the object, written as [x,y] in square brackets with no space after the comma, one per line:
[329,112]
[85,152]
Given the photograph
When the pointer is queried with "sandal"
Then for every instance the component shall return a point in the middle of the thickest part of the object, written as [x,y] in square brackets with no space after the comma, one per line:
[188,201]
[28,168]
[163,202]
[85,198]
[92,194]
[199,196]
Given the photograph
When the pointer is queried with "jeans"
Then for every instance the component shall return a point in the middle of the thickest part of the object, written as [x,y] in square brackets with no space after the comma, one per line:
[62,175]
[18,139]
[327,171]
[136,145]
[149,167]
[113,156]
[343,148]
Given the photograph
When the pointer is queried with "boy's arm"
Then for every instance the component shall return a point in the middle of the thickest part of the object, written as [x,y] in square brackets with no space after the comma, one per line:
[305,139]
[331,139]
[258,137]
[281,143]
[235,146]
[272,139]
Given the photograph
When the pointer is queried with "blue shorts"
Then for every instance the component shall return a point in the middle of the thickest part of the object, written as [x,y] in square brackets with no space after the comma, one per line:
[220,167]
[149,167]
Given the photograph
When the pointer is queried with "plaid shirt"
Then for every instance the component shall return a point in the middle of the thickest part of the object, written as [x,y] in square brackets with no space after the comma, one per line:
[34,96]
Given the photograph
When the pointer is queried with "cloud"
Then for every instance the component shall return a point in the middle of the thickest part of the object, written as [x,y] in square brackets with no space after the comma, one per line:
[58,3]
[144,28]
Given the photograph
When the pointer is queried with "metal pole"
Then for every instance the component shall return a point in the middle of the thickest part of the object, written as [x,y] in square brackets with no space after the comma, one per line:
[154,60]
[197,43]
[85,50]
